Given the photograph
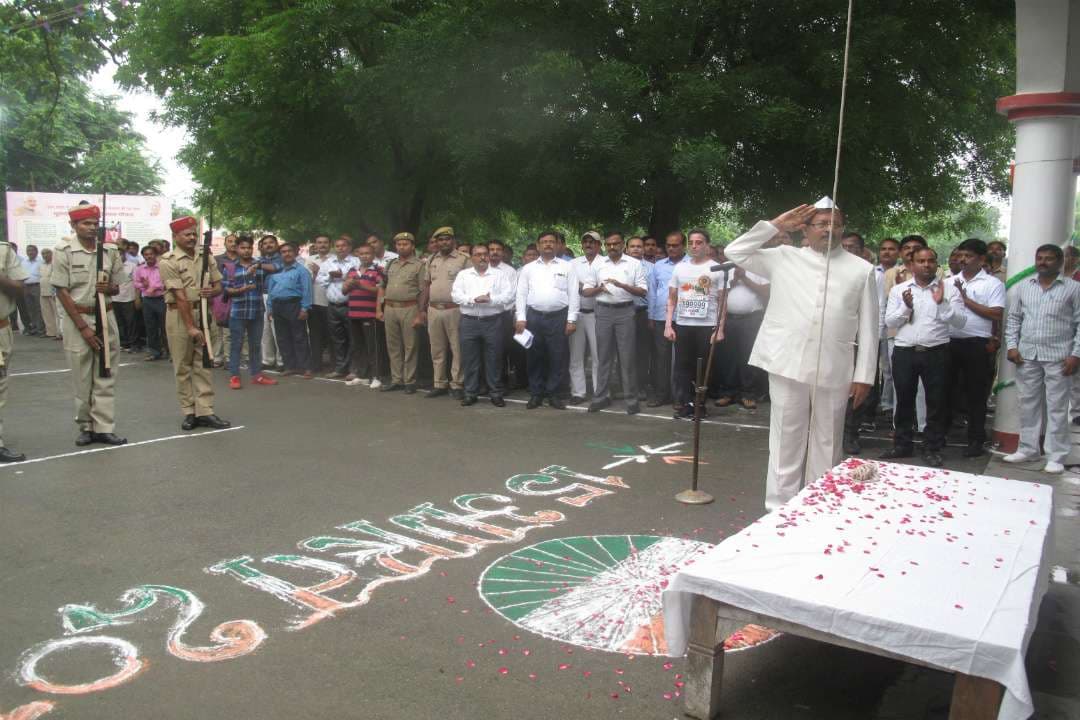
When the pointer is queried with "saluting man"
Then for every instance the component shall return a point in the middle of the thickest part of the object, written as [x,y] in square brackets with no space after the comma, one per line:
[76,281]
[12,274]
[180,274]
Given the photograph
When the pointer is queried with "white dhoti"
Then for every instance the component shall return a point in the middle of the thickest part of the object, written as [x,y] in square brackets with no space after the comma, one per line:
[793,460]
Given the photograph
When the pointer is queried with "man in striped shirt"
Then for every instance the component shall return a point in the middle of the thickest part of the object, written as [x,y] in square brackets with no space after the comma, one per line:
[363,287]
[1042,334]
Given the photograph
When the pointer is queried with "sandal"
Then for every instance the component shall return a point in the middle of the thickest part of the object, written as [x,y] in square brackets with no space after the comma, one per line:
[723,402]
[749,404]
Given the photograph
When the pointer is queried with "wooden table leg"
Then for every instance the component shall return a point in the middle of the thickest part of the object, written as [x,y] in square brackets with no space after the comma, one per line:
[705,658]
[975,698]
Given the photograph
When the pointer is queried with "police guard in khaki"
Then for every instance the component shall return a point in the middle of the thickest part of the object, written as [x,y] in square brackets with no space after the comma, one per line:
[75,279]
[180,269]
[12,273]
[404,300]
[444,316]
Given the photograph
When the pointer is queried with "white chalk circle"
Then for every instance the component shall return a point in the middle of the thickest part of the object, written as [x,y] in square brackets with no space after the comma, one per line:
[125,657]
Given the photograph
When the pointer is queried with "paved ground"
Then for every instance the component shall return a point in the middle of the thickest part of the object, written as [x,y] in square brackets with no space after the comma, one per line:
[82,530]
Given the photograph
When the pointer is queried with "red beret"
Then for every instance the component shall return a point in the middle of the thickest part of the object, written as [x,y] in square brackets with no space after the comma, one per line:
[181,224]
[84,212]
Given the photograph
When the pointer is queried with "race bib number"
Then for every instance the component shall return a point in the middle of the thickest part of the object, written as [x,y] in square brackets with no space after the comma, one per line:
[694,307]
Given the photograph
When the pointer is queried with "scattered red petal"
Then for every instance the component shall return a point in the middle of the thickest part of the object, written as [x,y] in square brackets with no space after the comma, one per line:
[450,599]
[958,606]
[504,671]
[564,666]
[819,577]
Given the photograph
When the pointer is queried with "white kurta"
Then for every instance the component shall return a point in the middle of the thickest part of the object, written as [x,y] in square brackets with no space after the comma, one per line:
[787,348]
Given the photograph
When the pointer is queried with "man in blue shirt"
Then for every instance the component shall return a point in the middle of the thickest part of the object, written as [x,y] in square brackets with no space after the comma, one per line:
[288,299]
[675,244]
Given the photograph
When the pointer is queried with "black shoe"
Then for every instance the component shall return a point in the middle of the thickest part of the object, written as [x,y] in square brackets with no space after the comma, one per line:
[392,387]
[213,421]
[190,423]
[657,402]
[7,455]
[974,449]
[468,400]
[895,453]
[85,438]
[933,458]
[684,413]
[109,439]
[598,405]
[852,446]
[497,401]
[534,402]
[556,402]
[576,399]
[1076,421]
[437,392]
[410,389]
[459,394]
[633,409]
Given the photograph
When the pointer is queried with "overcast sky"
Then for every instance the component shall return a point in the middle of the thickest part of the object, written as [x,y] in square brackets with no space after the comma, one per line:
[162,141]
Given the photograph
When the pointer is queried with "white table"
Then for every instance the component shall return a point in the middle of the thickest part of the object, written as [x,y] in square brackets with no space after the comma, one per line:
[932,567]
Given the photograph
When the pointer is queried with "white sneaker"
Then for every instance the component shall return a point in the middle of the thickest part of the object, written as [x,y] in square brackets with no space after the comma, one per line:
[1054,468]
[1019,457]
[356,381]
[375,383]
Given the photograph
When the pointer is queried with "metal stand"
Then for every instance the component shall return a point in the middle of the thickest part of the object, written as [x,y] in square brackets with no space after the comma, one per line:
[693,496]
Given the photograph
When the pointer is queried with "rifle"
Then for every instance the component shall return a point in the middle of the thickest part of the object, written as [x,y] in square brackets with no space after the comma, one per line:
[204,282]
[101,317]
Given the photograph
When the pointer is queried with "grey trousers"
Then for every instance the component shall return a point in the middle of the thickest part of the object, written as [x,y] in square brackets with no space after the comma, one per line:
[615,333]
[481,338]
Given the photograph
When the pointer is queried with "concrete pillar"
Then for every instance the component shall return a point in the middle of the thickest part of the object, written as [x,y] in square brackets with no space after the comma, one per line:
[1046,113]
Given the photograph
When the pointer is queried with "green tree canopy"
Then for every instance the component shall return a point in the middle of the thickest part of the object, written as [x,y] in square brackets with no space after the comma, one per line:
[384,114]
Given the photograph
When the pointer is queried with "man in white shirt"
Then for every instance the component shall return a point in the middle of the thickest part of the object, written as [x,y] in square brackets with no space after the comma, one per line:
[330,281]
[585,334]
[511,355]
[644,351]
[808,362]
[318,321]
[923,310]
[620,280]
[547,305]
[973,347]
[888,253]
[33,323]
[482,293]
[740,381]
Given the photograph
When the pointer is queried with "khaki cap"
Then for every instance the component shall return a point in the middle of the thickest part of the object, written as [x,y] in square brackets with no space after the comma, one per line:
[444,230]
[405,236]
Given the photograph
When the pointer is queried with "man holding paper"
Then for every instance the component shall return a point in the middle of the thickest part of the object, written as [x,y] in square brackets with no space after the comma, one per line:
[481,292]
[798,352]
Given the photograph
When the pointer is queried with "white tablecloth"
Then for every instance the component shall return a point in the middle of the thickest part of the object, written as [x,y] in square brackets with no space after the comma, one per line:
[942,567]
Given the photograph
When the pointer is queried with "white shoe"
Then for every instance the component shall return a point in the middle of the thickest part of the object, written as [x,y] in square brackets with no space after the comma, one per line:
[1054,468]
[355,381]
[1019,457]
[375,383]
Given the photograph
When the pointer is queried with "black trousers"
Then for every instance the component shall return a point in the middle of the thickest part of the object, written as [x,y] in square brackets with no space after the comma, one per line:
[125,322]
[550,350]
[384,354]
[663,350]
[909,367]
[643,352]
[337,318]
[153,312]
[971,368]
[481,340]
[738,378]
[691,343]
[291,334]
[318,328]
[515,355]
[366,350]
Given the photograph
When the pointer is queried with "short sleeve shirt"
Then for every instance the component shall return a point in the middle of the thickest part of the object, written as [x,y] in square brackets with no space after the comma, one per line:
[441,271]
[12,269]
[180,274]
[75,268]
[697,290]
[403,279]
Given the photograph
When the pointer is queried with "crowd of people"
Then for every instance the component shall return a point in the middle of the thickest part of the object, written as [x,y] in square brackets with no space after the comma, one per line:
[629,318]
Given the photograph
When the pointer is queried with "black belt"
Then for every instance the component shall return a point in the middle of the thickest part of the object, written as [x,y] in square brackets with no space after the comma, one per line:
[482,317]
[340,304]
[551,313]
[583,311]
[971,339]
[628,303]
[921,348]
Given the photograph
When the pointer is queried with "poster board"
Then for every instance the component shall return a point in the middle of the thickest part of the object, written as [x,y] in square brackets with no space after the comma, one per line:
[38,218]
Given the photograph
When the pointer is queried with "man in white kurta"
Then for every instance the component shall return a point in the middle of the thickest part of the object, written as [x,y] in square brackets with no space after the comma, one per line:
[787,345]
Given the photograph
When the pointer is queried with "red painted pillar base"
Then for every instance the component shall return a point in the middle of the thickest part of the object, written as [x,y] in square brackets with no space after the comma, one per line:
[1006,442]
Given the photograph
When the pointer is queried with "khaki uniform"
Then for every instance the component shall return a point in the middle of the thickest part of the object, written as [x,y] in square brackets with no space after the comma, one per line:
[444,322]
[75,268]
[12,269]
[194,383]
[403,278]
